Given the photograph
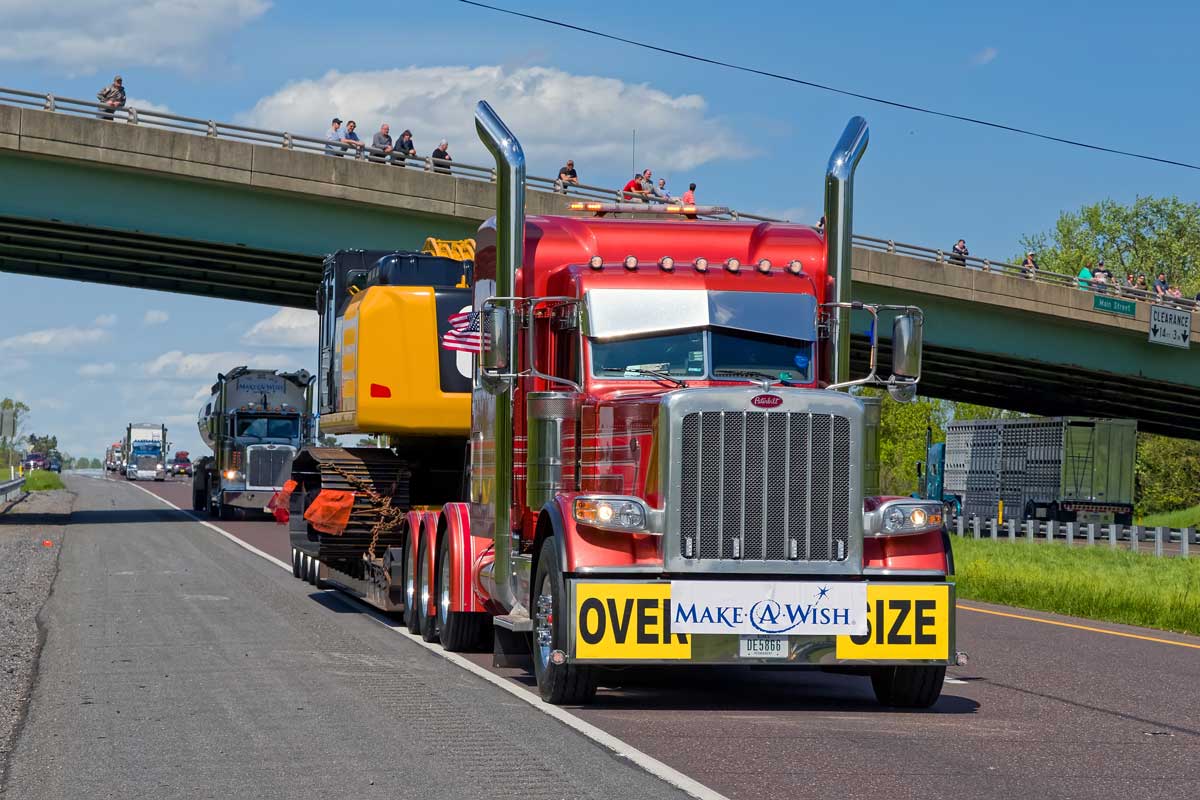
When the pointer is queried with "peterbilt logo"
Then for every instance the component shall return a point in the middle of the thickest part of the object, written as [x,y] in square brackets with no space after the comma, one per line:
[766,401]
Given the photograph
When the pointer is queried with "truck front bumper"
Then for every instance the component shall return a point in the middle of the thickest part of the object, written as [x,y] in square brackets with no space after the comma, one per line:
[621,622]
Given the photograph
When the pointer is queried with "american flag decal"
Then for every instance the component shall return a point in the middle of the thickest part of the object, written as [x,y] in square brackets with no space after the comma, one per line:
[464,334]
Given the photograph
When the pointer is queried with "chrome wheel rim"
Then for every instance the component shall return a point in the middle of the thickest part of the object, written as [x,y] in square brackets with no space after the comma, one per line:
[444,592]
[424,570]
[410,591]
[543,632]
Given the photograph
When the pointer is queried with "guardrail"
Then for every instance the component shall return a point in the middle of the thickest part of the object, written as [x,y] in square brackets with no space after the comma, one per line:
[11,489]
[1017,271]
[1117,537]
[298,142]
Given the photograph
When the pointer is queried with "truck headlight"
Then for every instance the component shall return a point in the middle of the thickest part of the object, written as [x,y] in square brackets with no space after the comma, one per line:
[902,517]
[617,514]
[160,466]
[232,475]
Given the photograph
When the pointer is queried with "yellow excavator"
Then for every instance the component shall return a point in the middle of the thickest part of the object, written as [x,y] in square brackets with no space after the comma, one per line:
[384,373]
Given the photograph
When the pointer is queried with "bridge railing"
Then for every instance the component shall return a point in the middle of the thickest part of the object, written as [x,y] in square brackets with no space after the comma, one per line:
[299,142]
[1160,541]
[952,260]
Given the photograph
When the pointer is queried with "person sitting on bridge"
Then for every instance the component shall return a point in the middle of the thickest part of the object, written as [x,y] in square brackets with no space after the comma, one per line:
[566,175]
[1161,285]
[112,97]
[1029,266]
[351,137]
[442,153]
[405,147]
[960,253]
[381,144]
[660,191]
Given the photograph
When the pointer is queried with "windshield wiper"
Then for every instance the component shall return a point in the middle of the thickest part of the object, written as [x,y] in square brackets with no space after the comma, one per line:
[730,372]
[653,373]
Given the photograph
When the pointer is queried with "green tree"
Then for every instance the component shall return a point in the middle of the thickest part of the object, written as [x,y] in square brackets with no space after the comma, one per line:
[327,441]
[46,445]
[96,463]
[902,429]
[1167,473]
[1153,235]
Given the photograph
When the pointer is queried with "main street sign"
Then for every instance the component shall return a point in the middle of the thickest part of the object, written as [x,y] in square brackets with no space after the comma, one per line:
[1170,326]
[1114,305]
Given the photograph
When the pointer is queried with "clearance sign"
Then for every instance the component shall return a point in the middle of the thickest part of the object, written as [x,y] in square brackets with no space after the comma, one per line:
[627,621]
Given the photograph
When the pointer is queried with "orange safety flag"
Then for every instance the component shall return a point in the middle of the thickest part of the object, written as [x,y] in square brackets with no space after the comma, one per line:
[329,511]
[279,503]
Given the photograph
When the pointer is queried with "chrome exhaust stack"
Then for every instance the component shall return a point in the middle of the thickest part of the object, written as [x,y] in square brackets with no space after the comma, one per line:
[510,247]
[839,231]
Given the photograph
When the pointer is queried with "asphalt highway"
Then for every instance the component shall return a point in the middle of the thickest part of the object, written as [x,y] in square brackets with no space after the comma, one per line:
[1047,707]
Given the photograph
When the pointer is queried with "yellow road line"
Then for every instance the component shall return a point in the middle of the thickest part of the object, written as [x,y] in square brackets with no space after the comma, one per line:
[1078,627]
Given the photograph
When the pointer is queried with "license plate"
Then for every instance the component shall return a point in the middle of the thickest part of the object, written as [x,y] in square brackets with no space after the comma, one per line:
[762,646]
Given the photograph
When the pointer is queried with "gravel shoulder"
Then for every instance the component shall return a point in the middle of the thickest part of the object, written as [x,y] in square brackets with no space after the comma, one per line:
[27,570]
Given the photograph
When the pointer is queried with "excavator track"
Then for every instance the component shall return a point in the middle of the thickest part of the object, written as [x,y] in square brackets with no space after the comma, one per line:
[381,483]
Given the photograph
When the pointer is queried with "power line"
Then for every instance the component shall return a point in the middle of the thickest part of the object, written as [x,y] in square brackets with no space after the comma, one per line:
[835,90]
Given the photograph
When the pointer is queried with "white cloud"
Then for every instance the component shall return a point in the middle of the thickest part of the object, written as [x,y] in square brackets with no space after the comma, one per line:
[97,370]
[55,340]
[556,114]
[105,320]
[81,36]
[178,364]
[985,56]
[155,317]
[287,327]
[146,105]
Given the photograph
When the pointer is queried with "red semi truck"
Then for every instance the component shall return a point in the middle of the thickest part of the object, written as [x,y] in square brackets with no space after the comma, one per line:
[661,463]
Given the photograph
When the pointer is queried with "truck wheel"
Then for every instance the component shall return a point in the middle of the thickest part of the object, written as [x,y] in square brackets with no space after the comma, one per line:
[908,687]
[295,563]
[560,684]
[459,630]
[429,623]
[197,499]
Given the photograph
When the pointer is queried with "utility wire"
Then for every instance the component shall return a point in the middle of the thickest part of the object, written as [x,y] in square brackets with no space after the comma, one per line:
[824,87]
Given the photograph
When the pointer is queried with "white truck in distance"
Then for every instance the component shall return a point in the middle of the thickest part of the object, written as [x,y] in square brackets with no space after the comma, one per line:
[145,451]
[255,421]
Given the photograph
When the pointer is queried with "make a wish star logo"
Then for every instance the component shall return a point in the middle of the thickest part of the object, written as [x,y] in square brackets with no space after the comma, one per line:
[822,593]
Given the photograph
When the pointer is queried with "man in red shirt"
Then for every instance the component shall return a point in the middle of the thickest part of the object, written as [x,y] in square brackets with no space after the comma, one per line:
[689,197]
[635,188]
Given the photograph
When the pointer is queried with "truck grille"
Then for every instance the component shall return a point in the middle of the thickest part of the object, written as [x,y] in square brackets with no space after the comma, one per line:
[268,467]
[147,463]
[765,486]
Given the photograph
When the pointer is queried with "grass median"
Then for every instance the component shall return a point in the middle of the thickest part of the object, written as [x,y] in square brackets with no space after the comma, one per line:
[41,480]
[1092,582]
[1183,518]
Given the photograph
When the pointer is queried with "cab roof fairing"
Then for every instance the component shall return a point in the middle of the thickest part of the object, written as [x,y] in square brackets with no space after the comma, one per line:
[554,244]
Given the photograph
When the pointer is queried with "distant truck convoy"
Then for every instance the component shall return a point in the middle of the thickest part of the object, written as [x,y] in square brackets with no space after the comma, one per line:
[1065,469]
[255,421]
[146,446]
[113,458]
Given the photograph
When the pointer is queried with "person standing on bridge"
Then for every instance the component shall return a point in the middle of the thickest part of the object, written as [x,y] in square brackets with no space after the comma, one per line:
[351,137]
[113,97]
[442,153]
[960,253]
[1029,266]
[381,144]
[1085,276]
[406,147]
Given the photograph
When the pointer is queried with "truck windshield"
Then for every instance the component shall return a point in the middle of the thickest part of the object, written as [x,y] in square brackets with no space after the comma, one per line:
[701,353]
[267,427]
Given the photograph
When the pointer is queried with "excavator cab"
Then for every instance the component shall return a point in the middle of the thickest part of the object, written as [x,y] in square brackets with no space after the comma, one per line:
[382,318]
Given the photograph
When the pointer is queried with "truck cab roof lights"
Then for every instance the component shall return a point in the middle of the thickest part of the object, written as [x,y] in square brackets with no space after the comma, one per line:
[733,265]
[795,267]
[700,265]
[666,264]
[764,266]
[631,262]
[596,262]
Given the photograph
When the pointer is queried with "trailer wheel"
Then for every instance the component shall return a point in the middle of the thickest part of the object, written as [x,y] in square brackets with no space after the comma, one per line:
[429,622]
[908,687]
[458,630]
[560,684]
[412,592]
[295,563]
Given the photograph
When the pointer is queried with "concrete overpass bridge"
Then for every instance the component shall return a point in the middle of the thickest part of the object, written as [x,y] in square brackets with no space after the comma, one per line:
[197,207]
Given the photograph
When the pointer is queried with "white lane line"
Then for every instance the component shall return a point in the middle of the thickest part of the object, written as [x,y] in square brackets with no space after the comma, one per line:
[621,748]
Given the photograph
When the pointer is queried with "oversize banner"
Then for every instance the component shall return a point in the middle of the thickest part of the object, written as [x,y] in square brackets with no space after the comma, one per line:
[769,607]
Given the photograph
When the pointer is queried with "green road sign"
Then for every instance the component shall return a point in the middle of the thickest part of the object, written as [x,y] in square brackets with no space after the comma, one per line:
[1114,305]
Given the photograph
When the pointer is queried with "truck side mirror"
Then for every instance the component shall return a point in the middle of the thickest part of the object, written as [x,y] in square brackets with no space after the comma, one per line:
[907,336]
[495,326]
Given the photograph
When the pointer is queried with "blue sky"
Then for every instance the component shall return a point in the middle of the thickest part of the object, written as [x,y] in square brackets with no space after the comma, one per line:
[1099,72]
